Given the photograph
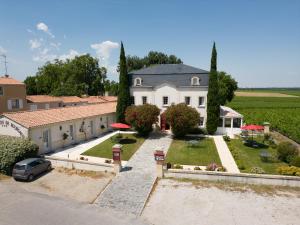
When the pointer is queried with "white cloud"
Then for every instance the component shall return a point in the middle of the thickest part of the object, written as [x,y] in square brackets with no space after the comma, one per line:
[35,43]
[43,27]
[71,55]
[2,50]
[44,58]
[55,45]
[29,31]
[103,49]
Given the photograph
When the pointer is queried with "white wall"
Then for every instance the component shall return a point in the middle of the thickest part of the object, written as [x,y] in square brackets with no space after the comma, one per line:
[176,95]
[57,131]
[10,128]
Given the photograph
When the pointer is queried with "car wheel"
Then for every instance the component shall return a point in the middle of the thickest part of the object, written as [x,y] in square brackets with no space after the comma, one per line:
[30,177]
[49,168]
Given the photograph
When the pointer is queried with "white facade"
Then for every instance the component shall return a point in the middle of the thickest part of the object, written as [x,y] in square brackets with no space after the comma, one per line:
[51,136]
[158,94]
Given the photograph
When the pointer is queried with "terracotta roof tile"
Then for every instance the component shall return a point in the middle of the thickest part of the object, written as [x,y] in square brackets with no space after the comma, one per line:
[37,118]
[10,81]
[72,99]
[42,98]
[100,99]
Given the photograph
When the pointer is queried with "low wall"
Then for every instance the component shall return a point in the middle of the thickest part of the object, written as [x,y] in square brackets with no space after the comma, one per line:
[79,164]
[240,178]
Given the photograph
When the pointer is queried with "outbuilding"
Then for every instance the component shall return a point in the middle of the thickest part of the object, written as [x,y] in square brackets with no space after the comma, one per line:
[59,127]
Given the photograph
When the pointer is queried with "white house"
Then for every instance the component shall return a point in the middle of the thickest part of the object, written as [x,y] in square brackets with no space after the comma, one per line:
[54,128]
[165,84]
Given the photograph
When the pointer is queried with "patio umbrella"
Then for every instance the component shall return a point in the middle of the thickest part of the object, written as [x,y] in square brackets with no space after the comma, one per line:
[252,127]
[120,126]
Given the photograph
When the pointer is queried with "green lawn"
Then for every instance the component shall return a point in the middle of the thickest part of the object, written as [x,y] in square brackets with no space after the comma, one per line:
[249,157]
[202,155]
[130,144]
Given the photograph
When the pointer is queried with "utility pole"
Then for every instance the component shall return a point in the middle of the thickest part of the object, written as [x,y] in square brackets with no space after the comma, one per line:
[5,63]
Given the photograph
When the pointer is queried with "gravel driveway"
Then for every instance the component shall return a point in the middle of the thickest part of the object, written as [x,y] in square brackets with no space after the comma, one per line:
[82,186]
[177,202]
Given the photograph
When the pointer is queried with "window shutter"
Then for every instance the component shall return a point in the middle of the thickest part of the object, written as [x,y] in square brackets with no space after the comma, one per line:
[21,103]
[9,107]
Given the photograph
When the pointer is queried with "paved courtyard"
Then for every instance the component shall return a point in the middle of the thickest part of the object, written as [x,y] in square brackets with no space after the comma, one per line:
[130,189]
[177,202]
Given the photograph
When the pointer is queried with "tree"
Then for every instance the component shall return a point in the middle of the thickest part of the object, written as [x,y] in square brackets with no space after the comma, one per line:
[81,75]
[153,58]
[111,87]
[124,93]
[142,117]
[227,87]
[182,118]
[213,103]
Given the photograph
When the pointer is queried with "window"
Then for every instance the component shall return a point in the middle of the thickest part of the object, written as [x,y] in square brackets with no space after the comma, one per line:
[227,122]
[220,122]
[237,122]
[165,100]
[47,106]
[195,81]
[187,100]
[201,101]
[15,104]
[1,91]
[144,100]
[132,100]
[137,82]
[201,122]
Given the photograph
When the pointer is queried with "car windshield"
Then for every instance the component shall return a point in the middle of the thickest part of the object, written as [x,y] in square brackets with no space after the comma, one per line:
[20,167]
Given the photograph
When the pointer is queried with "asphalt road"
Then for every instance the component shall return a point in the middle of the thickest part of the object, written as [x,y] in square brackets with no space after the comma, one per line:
[18,206]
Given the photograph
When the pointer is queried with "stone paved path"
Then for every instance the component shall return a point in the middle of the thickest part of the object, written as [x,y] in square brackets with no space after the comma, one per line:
[129,190]
[225,155]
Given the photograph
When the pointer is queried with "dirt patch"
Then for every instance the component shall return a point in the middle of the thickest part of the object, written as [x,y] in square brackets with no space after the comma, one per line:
[186,202]
[82,186]
[3,177]
[263,94]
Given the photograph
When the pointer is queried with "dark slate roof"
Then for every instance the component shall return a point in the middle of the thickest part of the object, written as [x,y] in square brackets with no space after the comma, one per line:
[168,69]
[174,74]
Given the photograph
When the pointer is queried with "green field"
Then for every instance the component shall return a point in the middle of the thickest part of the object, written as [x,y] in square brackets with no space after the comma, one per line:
[282,113]
[201,155]
[130,143]
[288,91]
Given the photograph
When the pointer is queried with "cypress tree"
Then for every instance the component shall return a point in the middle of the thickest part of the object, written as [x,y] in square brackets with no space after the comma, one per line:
[124,93]
[213,106]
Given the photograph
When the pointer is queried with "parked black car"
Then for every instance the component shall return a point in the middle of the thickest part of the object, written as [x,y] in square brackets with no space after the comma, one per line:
[29,168]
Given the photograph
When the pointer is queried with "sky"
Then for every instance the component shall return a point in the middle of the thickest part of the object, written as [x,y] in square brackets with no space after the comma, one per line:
[258,42]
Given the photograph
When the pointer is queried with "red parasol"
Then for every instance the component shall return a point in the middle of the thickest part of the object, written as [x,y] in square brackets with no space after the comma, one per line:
[120,125]
[252,127]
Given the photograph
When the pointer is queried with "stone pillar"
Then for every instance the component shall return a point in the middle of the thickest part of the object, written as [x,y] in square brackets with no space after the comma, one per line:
[266,127]
[116,151]
[159,157]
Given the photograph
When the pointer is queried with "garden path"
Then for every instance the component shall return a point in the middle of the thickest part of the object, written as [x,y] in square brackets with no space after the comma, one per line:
[225,155]
[129,190]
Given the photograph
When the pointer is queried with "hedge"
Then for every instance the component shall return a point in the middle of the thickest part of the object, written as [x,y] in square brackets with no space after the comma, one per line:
[13,150]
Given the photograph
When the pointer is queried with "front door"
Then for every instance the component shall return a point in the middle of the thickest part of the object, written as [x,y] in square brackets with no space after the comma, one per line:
[92,127]
[46,139]
[72,133]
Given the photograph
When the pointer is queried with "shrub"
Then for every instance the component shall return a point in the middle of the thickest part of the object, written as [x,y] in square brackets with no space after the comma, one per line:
[182,119]
[212,167]
[142,117]
[197,130]
[257,170]
[286,151]
[197,168]
[169,165]
[13,150]
[221,169]
[226,138]
[177,166]
[289,170]
[296,161]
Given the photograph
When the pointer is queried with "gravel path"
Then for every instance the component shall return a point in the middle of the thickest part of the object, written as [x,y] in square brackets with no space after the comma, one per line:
[225,155]
[130,189]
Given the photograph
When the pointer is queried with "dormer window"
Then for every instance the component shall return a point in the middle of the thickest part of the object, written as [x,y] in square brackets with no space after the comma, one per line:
[138,82]
[195,81]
